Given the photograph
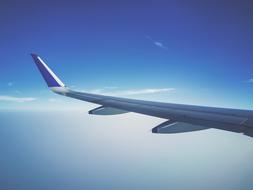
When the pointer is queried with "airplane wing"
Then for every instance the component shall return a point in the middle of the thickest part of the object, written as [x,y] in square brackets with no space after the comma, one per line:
[199,117]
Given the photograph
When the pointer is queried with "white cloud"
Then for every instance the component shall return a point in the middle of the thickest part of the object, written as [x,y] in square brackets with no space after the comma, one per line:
[110,87]
[16,99]
[248,81]
[10,84]
[95,91]
[17,92]
[159,44]
[130,92]
[105,91]
[156,43]
[145,91]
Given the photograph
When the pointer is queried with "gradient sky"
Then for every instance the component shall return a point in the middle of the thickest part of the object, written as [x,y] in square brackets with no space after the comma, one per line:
[192,52]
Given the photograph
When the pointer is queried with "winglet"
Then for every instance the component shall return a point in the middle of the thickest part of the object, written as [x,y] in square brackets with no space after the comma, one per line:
[51,79]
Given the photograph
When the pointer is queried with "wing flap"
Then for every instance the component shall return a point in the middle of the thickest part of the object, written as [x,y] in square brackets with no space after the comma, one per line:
[102,110]
[176,127]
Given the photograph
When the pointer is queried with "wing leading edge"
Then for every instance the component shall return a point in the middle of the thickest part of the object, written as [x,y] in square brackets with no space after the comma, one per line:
[201,117]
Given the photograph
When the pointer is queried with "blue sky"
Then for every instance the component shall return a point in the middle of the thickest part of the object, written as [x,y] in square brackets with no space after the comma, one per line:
[192,52]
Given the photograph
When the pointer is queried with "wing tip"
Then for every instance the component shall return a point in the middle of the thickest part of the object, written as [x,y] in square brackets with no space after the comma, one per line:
[34,55]
[51,79]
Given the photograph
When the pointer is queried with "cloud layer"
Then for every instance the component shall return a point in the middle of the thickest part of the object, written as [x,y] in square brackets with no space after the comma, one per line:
[16,99]
[130,92]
